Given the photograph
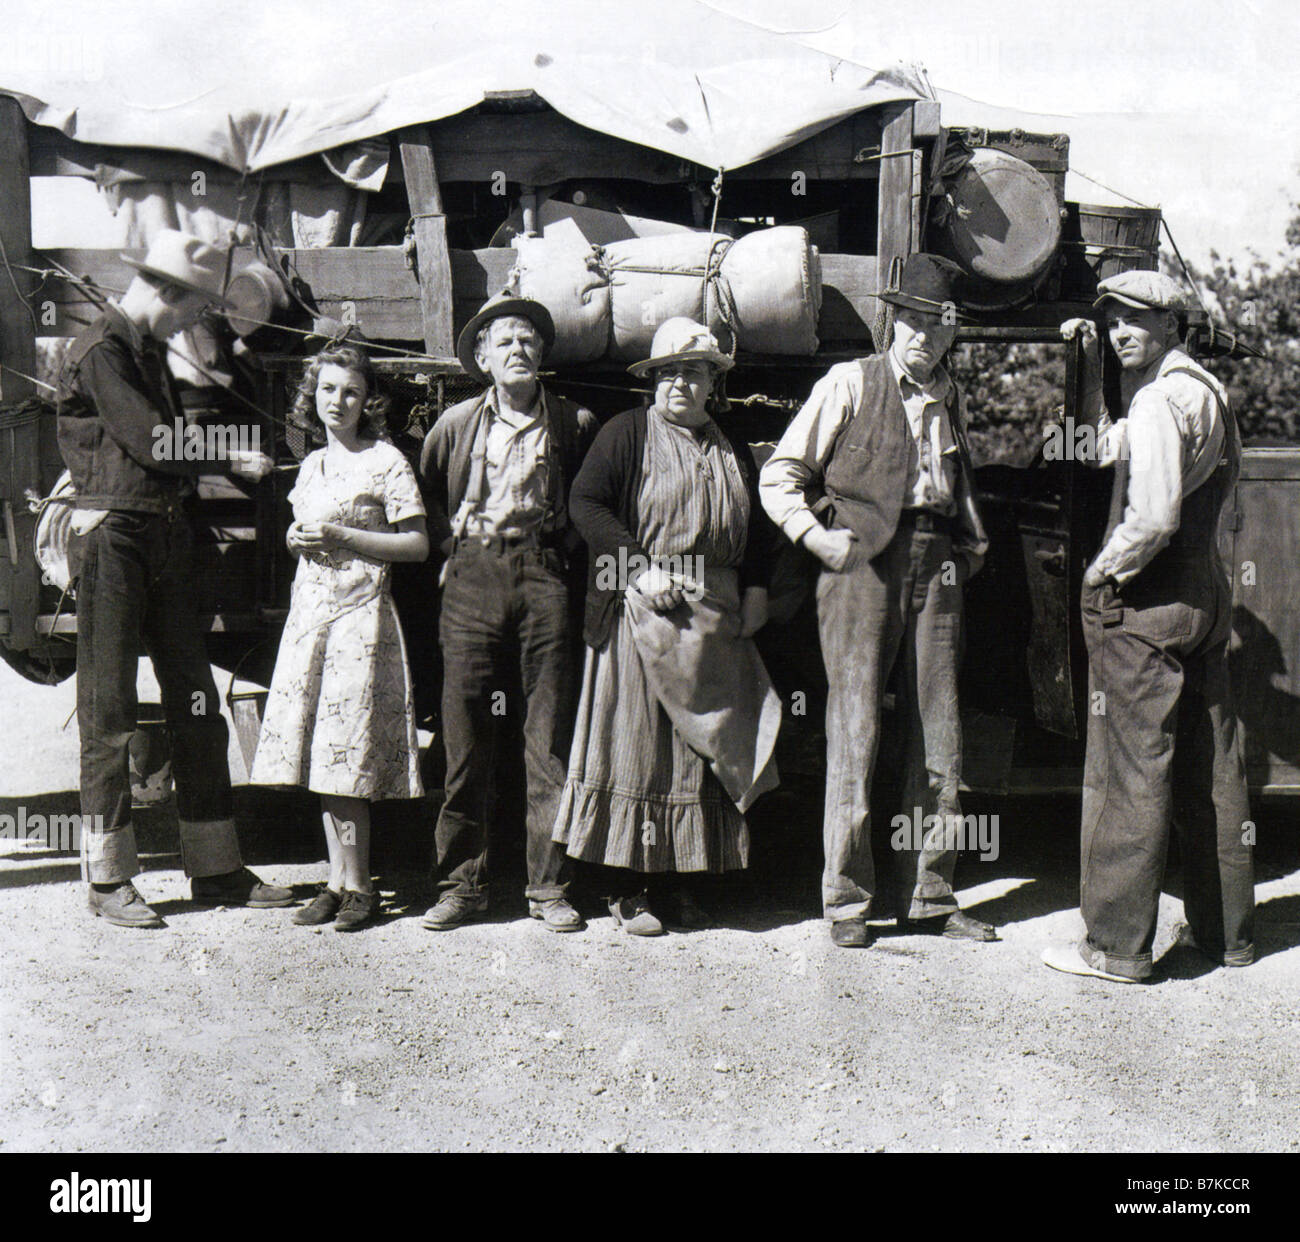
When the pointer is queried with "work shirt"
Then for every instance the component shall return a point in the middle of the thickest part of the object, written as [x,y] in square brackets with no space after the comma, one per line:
[1173,436]
[932,469]
[809,442]
[516,480]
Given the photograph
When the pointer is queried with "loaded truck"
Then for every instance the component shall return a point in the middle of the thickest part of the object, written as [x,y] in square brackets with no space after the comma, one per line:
[405,232]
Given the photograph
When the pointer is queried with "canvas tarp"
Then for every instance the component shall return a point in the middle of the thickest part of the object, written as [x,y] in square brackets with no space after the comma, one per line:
[679,76]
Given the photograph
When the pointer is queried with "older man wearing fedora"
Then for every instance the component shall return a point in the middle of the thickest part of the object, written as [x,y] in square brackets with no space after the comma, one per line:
[132,553]
[1163,750]
[874,478]
[496,470]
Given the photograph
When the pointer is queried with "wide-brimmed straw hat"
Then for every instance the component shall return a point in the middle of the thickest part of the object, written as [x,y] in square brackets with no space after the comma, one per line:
[186,261]
[683,340]
[503,304]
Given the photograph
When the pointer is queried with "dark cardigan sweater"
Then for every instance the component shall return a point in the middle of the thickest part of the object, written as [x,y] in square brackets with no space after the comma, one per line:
[602,505]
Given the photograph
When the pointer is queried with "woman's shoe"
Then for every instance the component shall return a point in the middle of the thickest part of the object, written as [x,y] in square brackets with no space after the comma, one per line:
[634,916]
[357,910]
[322,908]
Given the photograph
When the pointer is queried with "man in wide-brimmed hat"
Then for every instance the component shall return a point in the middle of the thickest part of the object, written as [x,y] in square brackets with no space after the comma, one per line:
[1157,615]
[496,471]
[897,532]
[132,553]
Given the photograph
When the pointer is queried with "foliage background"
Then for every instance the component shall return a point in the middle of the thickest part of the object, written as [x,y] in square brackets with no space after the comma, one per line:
[1013,392]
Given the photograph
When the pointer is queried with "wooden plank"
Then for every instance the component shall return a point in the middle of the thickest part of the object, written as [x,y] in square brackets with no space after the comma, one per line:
[433,262]
[894,223]
[369,284]
[21,445]
[849,304]
[917,204]
[1045,152]
[925,119]
[374,285]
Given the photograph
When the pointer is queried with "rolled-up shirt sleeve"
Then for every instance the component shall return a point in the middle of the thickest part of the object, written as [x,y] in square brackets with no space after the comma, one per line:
[805,449]
[1154,445]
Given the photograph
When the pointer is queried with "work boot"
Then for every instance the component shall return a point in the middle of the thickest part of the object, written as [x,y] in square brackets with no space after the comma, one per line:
[556,913]
[955,926]
[238,888]
[123,907]
[321,909]
[850,933]
[356,910]
[452,910]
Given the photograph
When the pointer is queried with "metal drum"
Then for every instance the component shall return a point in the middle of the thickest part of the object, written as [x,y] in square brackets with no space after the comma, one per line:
[1002,224]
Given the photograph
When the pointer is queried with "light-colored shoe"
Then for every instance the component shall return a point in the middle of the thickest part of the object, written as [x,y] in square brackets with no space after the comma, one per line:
[1068,958]
[634,916]
[453,909]
[556,913]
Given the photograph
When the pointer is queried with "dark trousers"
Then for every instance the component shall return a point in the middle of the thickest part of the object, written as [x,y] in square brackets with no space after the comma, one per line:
[507,634]
[906,600]
[135,588]
[1162,753]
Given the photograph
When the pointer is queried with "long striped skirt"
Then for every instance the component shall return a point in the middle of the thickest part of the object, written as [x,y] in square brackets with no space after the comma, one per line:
[636,795]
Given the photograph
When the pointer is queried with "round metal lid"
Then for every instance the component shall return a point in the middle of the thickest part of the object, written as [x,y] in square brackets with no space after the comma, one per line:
[1005,222]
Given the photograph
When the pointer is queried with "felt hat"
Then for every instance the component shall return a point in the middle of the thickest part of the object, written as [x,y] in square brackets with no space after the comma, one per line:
[682,340]
[926,282]
[186,261]
[503,304]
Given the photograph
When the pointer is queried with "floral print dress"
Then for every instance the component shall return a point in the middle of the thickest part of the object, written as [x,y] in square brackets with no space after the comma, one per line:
[340,717]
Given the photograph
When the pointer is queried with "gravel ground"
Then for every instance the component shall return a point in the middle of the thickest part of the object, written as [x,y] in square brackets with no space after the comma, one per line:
[234,1030]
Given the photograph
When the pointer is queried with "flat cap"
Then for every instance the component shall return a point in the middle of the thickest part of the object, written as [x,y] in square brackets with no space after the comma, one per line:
[1143,290]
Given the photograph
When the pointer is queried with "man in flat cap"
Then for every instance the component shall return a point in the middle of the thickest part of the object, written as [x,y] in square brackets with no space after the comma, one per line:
[883,438]
[132,553]
[497,470]
[1162,743]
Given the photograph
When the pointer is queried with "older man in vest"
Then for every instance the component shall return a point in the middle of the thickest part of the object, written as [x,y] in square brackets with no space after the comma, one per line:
[898,533]
[1157,614]
[496,471]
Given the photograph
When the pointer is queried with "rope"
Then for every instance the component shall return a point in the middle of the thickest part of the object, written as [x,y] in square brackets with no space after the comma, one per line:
[31,379]
[13,280]
[1110,190]
[1186,273]
[725,305]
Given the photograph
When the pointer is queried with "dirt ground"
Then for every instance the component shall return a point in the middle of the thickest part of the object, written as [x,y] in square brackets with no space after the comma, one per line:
[233,1030]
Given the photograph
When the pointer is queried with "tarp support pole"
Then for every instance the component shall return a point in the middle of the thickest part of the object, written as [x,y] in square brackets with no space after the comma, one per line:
[20,446]
[433,258]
